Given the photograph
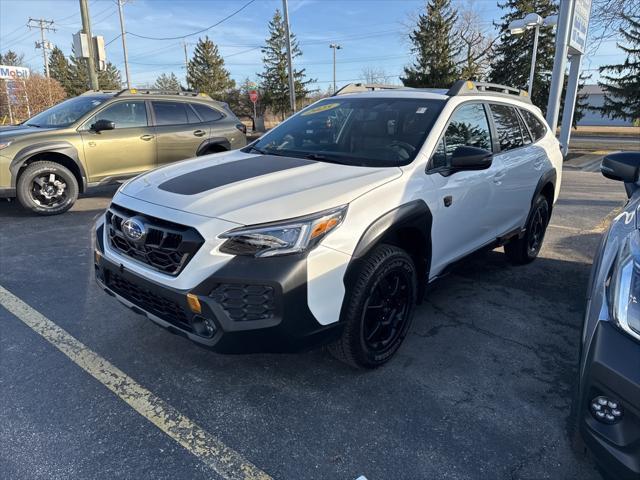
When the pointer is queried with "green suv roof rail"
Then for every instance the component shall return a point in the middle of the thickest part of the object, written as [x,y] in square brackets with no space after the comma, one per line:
[152,91]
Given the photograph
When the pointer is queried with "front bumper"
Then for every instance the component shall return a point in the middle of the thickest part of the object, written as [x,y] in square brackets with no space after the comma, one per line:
[612,369]
[257,305]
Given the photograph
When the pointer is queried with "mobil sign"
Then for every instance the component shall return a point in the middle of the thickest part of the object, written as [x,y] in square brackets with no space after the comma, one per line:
[8,72]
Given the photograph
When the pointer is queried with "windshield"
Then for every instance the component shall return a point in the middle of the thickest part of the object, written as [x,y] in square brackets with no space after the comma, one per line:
[372,132]
[67,112]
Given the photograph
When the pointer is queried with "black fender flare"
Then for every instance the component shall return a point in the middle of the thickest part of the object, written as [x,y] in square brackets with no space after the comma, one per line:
[61,147]
[415,214]
[549,177]
[222,141]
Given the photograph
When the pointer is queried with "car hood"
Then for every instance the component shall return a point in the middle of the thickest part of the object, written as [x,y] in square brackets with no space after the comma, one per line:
[15,131]
[248,189]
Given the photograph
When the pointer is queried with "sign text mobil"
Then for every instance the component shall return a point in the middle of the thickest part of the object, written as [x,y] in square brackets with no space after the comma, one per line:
[8,72]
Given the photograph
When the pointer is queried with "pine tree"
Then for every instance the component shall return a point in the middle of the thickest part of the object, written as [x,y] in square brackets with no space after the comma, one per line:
[168,82]
[110,78]
[60,69]
[435,48]
[206,72]
[621,82]
[11,58]
[78,77]
[511,62]
[275,77]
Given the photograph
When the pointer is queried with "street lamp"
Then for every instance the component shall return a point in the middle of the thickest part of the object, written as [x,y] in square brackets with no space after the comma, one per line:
[335,47]
[535,21]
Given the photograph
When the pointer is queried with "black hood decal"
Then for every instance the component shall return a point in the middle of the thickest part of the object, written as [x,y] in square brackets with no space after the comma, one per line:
[216,176]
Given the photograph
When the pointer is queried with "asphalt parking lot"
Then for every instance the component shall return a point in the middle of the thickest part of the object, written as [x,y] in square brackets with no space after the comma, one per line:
[480,389]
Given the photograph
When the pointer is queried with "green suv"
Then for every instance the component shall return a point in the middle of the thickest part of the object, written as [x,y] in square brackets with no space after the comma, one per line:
[104,137]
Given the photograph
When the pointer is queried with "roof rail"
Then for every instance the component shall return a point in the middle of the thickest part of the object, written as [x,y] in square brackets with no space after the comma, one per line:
[93,92]
[364,87]
[468,87]
[154,91]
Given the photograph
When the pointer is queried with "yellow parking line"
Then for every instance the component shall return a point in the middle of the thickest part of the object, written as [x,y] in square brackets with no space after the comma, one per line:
[227,463]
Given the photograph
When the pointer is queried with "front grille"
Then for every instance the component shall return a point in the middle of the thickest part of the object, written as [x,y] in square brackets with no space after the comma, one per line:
[162,307]
[245,302]
[167,246]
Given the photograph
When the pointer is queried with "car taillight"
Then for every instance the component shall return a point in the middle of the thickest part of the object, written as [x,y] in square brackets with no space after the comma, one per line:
[242,127]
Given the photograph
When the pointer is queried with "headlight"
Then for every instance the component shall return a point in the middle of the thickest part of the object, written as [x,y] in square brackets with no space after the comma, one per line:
[624,288]
[5,143]
[282,238]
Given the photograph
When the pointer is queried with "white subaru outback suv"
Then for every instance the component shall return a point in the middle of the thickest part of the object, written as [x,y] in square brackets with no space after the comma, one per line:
[327,229]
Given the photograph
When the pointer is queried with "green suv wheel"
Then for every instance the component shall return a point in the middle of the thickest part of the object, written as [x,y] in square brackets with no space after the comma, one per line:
[47,188]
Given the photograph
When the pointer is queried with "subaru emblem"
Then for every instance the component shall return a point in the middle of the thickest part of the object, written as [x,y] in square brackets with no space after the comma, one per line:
[133,229]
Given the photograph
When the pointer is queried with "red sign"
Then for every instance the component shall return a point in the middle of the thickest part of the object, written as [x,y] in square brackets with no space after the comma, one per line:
[253,96]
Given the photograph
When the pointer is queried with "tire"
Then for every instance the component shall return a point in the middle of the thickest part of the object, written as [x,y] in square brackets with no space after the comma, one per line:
[525,249]
[60,184]
[373,333]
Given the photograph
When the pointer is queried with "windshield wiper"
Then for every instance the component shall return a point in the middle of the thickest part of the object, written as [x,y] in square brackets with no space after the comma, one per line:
[256,149]
[33,125]
[322,158]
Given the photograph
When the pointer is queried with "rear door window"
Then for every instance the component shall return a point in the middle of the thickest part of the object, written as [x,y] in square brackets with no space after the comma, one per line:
[207,114]
[170,113]
[508,127]
[537,128]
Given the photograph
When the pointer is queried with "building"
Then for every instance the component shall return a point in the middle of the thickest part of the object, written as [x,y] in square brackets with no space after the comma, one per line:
[595,98]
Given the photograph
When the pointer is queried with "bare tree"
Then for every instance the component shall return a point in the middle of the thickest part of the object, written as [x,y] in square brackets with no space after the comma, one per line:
[375,75]
[476,46]
[606,17]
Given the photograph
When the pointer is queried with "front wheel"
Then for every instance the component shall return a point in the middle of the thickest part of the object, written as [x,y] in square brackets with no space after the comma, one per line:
[378,309]
[47,188]
[525,249]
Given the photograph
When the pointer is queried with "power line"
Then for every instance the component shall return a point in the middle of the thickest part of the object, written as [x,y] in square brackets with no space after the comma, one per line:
[199,31]
[18,40]
[12,32]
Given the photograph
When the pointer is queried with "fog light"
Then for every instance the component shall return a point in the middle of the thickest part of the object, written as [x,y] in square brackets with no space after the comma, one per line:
[97,256]
[606,410]
[194,303]
[203,326]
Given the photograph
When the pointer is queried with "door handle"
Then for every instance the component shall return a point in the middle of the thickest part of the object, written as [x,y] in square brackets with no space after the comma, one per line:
[199,133]
[146,138]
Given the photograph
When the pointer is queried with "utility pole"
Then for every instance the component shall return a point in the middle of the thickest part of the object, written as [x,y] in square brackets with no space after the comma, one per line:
[86,29]
[335,47]
[43,25]
[186,63]
[292,88]
[123,34]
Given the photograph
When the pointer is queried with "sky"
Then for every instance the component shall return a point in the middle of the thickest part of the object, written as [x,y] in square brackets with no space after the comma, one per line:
[372,34]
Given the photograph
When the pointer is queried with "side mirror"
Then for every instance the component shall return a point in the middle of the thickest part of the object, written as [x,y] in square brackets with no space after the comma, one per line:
[623,166]
[470,158]
[101,125]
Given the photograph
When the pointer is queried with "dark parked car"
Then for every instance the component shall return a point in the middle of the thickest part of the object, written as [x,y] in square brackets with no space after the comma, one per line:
[607,403]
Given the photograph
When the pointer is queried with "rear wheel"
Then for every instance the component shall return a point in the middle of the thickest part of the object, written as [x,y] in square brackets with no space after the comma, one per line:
[379,309]
[525,249]
[47,188]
